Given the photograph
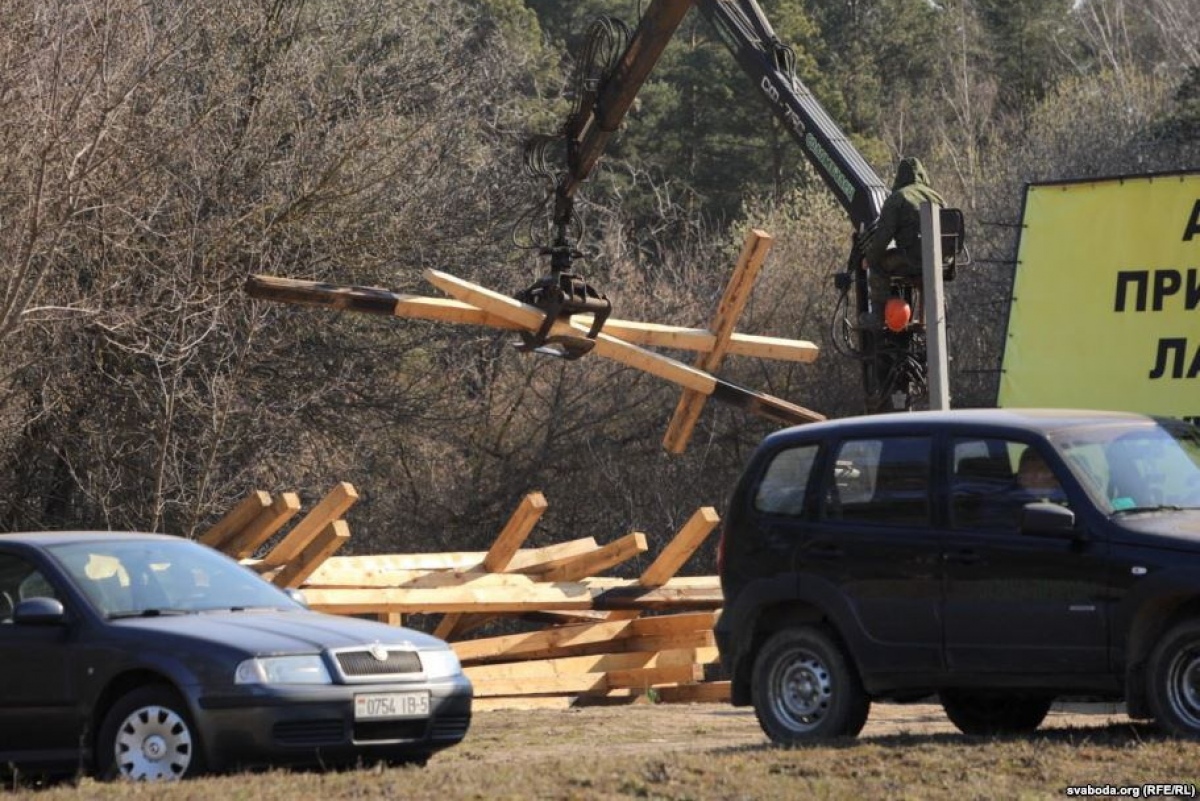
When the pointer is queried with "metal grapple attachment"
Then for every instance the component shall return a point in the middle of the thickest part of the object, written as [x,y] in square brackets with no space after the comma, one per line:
[561,295]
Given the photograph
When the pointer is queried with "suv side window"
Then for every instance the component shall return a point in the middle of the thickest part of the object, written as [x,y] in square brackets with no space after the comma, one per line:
[883,480]
[782,488]
[991,479]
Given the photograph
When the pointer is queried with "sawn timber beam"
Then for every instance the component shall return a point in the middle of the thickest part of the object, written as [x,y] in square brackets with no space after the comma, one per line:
[610,347]
[374,300]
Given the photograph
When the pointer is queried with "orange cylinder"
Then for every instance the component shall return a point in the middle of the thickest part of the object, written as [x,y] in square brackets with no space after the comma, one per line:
[897,314]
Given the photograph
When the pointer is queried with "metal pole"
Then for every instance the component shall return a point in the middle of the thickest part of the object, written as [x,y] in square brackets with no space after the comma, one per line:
[936,359]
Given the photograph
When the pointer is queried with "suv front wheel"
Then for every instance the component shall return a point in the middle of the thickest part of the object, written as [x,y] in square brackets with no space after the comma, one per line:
[1174,680]
[805,688]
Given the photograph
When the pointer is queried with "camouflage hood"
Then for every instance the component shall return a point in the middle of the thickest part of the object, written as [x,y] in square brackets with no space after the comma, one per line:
[910,171]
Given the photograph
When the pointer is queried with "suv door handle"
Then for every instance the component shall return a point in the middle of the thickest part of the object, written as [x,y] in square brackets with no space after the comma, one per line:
[964,557]
[826,551]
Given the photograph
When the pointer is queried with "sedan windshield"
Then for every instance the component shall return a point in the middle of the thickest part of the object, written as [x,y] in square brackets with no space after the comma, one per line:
[1132,468]
[154,576]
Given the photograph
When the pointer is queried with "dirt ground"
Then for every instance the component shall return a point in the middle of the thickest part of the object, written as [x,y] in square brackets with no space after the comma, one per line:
[644,729]
[714,751]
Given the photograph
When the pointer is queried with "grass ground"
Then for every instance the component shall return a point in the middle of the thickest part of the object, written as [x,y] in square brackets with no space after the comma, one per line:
[717,752]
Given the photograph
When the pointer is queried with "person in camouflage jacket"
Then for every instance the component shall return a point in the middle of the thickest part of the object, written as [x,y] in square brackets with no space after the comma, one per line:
[899,223]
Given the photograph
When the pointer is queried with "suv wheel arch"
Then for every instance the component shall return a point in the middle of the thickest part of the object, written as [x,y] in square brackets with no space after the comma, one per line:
[1173,679]
[806,687]
[769,621]
[1152,622]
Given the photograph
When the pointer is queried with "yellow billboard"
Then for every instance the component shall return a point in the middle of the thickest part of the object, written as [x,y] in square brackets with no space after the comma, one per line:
[1106,299]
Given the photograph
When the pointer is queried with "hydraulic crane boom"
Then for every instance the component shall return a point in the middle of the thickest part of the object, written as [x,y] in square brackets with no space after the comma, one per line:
[747,33]
[892,362]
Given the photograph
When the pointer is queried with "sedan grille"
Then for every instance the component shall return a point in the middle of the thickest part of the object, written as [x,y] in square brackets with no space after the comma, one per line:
[310,732]
[359,664]
[376,731]
[451,727]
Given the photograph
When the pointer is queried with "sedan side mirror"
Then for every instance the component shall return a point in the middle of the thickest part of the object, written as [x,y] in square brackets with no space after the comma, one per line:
[40,611]
[1045,519]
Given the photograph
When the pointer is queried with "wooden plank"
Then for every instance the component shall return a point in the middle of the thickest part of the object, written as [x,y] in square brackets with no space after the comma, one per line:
[554,640]
[374,300]
[368,300]
[599,560]
[532,597]
[533,671]
[446,579]
[679,582]
[658,335]
[672,558]
[372,570]
[263,526]
[589,683]
[466,622]
[608,346]
[667,642]
[506,545]
[681,547]
[235,520]
[595,561]
[680,623]
[331,508]
[645,678]
[519,702]
[571,684]
[491,593]
[595,663]
[706,692]
[515,532]
[389,570]
[659,598]
[539,561]
[561,639]
[566,618]
[670,642]
[328,540]
[729,311]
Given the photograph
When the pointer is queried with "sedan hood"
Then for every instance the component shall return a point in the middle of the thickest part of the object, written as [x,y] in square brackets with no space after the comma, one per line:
[275,632]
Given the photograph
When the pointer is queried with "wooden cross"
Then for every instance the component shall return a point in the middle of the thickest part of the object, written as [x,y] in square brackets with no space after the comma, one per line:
[620,340]
[737,292]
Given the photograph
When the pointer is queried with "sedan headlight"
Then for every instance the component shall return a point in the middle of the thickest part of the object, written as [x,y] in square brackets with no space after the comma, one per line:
[308,669]
[440,664]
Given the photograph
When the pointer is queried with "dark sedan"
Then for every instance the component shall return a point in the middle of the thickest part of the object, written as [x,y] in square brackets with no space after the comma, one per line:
[152,657]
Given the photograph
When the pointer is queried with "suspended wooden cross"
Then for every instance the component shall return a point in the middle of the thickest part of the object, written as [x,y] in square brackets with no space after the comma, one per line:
[733,302]
[623,341]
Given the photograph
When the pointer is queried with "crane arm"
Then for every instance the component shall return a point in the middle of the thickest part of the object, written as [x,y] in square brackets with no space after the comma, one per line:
[745,30]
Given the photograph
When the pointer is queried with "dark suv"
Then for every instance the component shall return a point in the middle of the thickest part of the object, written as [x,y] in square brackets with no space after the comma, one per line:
[998,558]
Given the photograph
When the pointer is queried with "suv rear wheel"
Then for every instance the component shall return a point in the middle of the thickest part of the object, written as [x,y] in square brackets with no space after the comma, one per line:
[1173,677]
[805,688]
[990,713]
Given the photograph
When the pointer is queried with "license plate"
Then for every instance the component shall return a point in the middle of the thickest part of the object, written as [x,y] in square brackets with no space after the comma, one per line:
[381,706]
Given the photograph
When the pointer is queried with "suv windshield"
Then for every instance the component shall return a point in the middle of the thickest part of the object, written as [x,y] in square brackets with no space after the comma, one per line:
[1131,468]
[159,576]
